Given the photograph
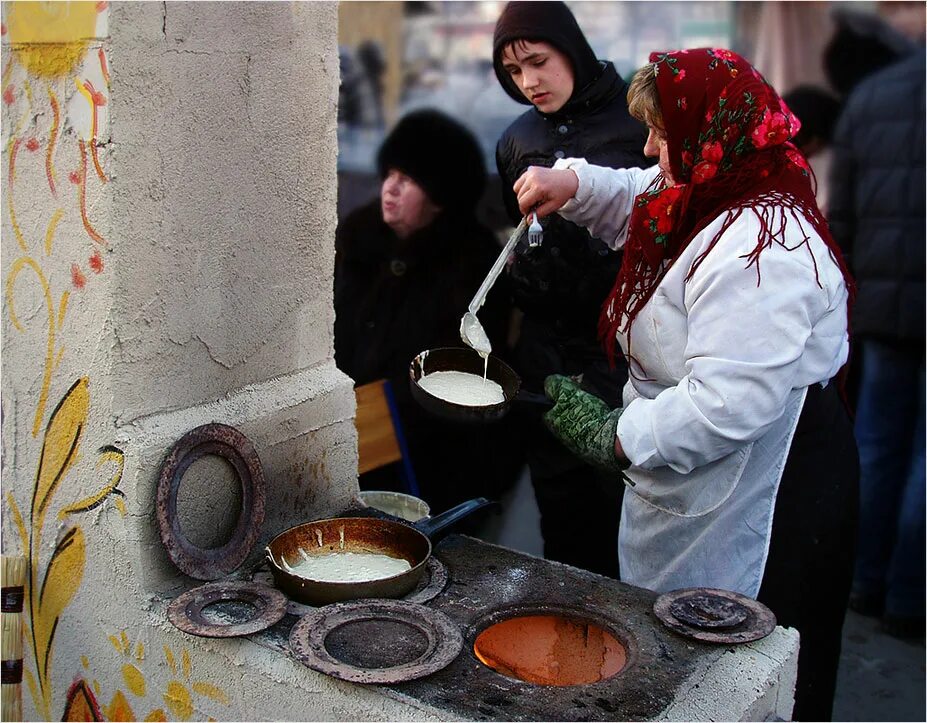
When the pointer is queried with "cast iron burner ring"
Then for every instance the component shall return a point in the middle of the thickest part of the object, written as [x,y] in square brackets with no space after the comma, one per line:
[703,610]
[223,441]
[714,616]
[186,610]
[376,641]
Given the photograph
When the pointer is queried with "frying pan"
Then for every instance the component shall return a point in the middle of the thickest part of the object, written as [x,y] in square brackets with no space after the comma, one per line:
[411,542]
[462,359]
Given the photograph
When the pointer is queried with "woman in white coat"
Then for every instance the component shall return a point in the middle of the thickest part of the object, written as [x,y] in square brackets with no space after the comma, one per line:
[731,307]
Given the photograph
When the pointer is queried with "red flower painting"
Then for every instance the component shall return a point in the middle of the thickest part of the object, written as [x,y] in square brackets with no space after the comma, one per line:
[77,277]
[96,262]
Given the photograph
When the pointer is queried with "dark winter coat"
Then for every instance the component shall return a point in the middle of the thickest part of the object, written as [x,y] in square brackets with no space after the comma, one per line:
[561,285]
[394,299]
[877,200]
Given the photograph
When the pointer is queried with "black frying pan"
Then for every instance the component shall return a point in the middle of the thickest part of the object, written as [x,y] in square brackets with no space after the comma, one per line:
[462,359]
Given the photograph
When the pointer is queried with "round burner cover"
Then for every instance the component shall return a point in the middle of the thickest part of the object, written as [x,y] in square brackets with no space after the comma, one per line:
[265,606]
[714,616]
[431,583]
[376,641]
[222,441]
[703,610]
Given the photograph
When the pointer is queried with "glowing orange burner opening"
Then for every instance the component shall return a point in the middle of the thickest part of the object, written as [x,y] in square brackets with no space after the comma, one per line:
[550,650]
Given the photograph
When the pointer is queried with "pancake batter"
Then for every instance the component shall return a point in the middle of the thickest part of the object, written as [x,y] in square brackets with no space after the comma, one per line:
[346,566]
[469,390]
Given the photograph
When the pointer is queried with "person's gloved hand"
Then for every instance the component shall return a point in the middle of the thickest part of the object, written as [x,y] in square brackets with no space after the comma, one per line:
[584,423]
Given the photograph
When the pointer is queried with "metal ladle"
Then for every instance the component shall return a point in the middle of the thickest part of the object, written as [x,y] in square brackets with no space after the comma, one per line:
[471,331]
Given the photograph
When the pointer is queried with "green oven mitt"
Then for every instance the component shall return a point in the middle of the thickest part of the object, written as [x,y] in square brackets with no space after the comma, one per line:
[584,423]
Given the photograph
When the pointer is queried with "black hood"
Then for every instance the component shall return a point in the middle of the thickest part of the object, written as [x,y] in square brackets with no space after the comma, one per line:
[550,22]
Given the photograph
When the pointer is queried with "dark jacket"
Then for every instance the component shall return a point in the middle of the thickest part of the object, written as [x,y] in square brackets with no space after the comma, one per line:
[561,285]
[394,299]
[877,200]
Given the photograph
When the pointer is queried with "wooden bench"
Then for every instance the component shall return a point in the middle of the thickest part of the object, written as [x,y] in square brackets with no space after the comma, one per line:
[380,440]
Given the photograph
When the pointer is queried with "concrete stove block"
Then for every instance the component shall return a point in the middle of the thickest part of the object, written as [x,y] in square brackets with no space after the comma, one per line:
[667,677]
[751,682]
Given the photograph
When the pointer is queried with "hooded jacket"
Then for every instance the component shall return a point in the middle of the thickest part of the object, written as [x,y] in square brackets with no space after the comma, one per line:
[561,285]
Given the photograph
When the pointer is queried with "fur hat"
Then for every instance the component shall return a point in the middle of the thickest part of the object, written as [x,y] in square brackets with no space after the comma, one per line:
[550,22]
[440,155]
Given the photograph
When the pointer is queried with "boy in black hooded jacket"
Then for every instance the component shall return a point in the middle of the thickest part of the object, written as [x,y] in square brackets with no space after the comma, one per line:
[542,58]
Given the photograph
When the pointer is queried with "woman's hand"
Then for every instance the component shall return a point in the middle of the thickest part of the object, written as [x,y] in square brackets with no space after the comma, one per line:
[545,190]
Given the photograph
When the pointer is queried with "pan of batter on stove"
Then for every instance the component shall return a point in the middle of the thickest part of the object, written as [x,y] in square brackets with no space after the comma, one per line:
[347,558]
[458,384]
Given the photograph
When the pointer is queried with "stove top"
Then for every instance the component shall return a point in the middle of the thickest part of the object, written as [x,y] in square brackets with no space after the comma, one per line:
[488,584]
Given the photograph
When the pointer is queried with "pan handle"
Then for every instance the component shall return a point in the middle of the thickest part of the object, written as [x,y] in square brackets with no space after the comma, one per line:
[432,526]
[533,398]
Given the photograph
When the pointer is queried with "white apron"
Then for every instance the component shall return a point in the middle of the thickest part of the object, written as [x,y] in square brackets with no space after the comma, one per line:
[710,527]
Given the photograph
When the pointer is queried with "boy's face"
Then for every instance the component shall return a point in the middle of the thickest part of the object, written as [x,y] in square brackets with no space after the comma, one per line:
[541,72]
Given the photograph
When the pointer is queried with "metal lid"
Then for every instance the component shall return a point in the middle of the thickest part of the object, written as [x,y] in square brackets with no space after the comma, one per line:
[222,441]
[714,616]
[376,641]
[263,606]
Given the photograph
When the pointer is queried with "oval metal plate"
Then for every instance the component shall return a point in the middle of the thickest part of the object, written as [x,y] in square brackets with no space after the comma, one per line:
[443,640]
[186,610]
[228,443]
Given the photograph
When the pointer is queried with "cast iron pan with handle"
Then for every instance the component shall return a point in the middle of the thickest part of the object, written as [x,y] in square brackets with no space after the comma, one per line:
[361,534]
[462,359]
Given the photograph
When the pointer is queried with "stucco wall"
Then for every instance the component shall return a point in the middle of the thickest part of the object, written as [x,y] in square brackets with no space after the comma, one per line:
[168,219]
[223,127]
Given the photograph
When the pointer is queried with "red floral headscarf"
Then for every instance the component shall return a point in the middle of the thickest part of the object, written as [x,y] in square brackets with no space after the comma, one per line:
[728,137]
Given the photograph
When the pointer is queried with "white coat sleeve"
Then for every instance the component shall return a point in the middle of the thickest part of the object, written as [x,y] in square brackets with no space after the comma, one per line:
[743,352]
[604,198]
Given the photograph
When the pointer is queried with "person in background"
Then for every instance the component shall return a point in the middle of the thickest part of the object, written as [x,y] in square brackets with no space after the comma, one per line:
[406,267]
[864,42]
[817,110]
[542,59]
[360,93]
[373,66]
[731,305]
[877,215]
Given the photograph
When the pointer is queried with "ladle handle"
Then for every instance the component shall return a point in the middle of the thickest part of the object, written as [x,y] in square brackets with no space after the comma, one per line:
[496,268]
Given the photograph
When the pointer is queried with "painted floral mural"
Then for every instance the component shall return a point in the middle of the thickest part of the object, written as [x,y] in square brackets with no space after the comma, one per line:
[54,99]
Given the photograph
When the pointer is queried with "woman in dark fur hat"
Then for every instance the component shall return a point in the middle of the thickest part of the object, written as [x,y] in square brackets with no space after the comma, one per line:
[542,59]
[406,266]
